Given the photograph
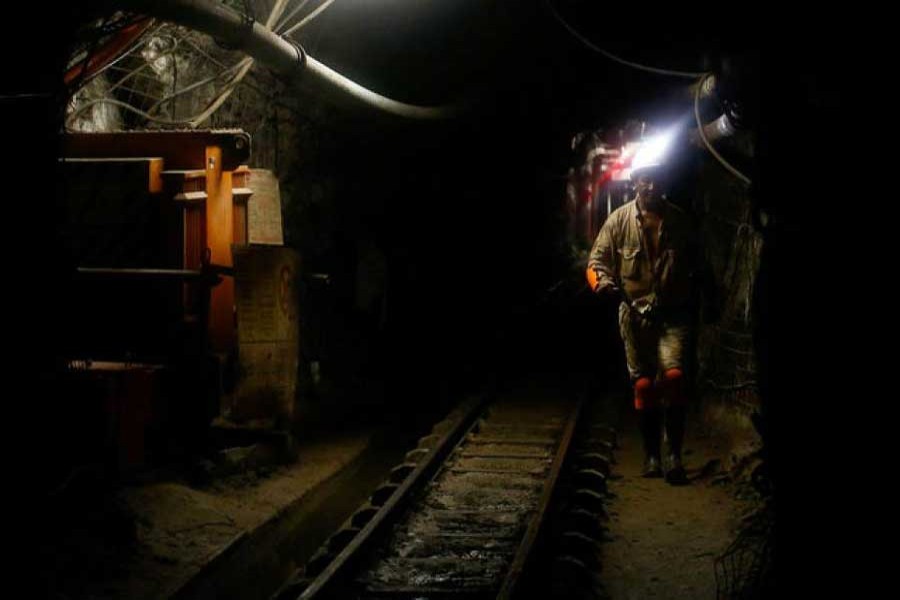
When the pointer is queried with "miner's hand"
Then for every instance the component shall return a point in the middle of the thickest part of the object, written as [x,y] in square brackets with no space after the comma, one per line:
[608,289]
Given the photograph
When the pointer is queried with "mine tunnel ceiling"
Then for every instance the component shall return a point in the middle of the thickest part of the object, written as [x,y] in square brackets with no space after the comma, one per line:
[494,52]
[503,56]
[437,52]
[536,72]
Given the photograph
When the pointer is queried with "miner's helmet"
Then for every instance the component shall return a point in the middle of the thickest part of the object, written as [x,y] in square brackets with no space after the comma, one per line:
[654,170]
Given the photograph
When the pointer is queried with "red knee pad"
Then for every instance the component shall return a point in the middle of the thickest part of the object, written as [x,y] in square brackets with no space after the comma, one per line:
[673,388]
[645,394]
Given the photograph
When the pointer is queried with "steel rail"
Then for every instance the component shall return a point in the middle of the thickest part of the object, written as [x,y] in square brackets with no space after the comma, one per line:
[426,467]
[513,575]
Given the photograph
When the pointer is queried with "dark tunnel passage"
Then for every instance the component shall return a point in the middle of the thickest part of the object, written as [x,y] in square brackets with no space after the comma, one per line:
[438,259]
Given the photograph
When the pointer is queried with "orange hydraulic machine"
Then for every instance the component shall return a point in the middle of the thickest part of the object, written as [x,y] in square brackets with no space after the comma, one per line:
[153,219]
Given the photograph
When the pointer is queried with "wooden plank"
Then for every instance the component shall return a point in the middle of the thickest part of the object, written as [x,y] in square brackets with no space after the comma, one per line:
[180,149]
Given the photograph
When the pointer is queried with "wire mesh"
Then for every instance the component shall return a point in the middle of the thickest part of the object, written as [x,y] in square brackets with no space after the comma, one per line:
[745,570]
[727,361]
[176,78]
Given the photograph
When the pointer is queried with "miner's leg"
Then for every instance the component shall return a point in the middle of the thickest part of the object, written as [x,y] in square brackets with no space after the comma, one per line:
[673,388]
[676,415]
[646,402]
[640,355]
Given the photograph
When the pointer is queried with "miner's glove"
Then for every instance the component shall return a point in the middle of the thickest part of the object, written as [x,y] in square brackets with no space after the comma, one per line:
[608,289]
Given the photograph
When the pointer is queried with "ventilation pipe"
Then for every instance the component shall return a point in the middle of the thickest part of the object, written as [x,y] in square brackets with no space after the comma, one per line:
[280,54]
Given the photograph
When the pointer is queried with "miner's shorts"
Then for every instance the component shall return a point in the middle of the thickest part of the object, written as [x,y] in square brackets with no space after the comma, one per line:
[652,346]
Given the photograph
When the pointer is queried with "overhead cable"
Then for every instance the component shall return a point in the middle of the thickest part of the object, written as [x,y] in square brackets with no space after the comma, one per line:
[613,57]
[309,17]
[274,51]
[291,15]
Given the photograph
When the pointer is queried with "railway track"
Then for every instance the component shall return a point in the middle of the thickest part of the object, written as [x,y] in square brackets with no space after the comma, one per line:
[462,517]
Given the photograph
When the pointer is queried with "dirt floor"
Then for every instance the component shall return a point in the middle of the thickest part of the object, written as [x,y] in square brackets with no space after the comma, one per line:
[143,542]
[663,539]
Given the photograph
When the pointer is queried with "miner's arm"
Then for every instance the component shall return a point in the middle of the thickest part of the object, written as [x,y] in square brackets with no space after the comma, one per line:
[601,268]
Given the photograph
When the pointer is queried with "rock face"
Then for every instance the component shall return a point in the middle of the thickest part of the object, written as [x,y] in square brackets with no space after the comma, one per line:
[727,385]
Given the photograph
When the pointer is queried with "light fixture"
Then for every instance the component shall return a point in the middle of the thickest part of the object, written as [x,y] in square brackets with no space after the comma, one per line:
[653,150]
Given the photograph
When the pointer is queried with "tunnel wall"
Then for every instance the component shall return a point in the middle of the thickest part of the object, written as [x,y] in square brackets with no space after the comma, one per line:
[727,385]
[437,240]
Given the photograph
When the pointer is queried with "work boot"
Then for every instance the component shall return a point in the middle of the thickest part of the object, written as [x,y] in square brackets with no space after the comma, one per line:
[675,473]
[651,432]
[652,467]
[675,418]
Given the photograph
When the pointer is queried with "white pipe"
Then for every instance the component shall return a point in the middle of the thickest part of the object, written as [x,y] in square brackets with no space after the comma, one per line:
[274,51]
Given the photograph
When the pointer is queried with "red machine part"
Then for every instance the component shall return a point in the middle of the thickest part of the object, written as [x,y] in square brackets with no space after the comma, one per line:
[110,50]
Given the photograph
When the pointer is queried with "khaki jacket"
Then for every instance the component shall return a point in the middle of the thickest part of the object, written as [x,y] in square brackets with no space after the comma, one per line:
[620,256]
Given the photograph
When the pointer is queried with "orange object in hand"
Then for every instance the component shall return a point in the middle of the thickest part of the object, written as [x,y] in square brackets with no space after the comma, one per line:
[592,278]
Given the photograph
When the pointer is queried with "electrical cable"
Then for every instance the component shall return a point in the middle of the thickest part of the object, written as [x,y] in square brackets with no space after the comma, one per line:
[247,22]
[129,51]
[301,52]
[225,68]
[80,77]
[309,17]
[133,91]
[149,117]
[706,143]
[128,107]
[613,57]
[291,15]
[114,49]
[245,67]
[202,52]
[147,65]
[192,87]
[218,21]
[193,121]
[275,13]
